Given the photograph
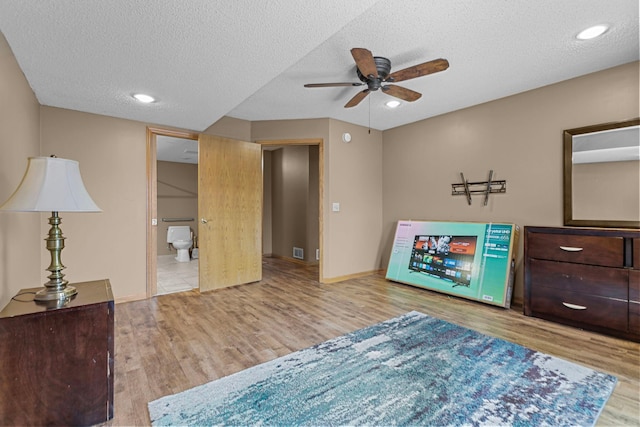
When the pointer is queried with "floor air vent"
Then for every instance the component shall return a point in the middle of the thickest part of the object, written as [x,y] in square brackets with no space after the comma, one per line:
[298,253]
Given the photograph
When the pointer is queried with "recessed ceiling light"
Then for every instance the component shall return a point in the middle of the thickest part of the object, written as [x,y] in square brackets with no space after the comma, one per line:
[144,98]
[592,32]
[392,104]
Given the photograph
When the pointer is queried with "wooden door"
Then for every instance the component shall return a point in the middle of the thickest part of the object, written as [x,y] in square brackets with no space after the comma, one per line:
[230,211]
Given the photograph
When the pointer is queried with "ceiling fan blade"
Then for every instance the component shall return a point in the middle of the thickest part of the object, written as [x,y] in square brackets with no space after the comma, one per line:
[365,62]
[419,70]
[357,99]
[332,84]
[401,92]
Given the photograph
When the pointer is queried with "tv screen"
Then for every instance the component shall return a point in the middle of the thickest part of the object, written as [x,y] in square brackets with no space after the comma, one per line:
[448,257]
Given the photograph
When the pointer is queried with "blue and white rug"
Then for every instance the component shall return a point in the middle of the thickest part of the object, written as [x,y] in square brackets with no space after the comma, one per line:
[410,370]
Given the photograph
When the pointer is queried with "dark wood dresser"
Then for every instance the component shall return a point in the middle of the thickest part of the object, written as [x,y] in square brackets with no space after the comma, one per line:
[56,364]
[584,277]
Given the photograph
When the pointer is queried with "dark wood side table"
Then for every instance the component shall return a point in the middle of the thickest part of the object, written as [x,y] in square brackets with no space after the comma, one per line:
[56,364]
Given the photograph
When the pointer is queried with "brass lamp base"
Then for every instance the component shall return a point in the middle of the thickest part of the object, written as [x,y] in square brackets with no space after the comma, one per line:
[48,294]
[56,289]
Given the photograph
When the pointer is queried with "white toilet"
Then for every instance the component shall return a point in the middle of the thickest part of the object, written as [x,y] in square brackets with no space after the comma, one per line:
[180,238]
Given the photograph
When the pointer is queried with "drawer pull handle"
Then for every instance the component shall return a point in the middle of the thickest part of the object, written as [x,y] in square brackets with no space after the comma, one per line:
[574,306]
[570,249]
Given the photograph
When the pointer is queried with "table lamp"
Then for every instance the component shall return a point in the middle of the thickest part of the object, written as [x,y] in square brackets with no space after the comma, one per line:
[52,185]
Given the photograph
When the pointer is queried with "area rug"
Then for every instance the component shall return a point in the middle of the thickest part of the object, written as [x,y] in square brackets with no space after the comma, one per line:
[409,370]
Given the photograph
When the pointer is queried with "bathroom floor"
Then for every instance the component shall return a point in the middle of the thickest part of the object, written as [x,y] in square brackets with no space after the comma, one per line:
[174,276]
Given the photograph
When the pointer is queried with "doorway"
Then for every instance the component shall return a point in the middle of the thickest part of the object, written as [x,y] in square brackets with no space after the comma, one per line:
[156,227]
[293,196]
[177,211]
[152,212]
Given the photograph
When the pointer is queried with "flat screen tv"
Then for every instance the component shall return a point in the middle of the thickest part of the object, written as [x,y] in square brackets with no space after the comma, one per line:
[466,259]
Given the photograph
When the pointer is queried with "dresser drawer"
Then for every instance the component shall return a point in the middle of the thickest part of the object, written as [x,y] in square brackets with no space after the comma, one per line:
[580,308]
[583,249]
[636,253]
[580,279]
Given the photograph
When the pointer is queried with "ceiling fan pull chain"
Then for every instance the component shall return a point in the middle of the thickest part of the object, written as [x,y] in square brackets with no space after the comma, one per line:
[369,115]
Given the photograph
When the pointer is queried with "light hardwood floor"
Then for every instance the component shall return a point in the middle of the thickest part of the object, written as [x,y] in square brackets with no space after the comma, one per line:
[171,343]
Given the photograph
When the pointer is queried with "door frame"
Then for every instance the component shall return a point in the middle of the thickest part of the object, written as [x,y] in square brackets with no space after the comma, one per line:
[152,201]
[320,143]
[152,195]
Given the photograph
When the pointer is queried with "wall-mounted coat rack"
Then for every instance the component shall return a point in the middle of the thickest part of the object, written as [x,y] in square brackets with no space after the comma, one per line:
[482,187]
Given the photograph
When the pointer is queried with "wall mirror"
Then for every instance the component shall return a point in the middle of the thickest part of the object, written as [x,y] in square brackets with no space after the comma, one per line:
[602,175]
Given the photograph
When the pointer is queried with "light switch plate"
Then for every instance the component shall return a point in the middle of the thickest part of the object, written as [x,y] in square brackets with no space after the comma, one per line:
[336,207]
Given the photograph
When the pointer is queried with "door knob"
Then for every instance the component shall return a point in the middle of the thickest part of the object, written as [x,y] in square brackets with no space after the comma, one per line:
[202,220]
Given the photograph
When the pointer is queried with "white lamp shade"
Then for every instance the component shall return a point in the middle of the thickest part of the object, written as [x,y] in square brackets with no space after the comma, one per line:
[51,184]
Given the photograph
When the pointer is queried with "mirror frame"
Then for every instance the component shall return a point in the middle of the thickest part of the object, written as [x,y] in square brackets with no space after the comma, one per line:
[568,170]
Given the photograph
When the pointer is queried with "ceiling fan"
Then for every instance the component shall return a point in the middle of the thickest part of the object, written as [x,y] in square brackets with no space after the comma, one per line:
[375,72]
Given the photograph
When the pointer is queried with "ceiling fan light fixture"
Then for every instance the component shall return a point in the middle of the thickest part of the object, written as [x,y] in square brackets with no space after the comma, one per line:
[592,32]
[392,104]
[146,99]
[375,73]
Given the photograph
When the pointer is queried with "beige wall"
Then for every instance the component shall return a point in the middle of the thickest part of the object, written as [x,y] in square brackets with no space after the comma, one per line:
[356,177]
[112,156]
[21,238]
[229,127]
[519,138]
[177,197]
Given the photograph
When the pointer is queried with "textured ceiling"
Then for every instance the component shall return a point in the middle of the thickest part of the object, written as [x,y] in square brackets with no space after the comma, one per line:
[249,59]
